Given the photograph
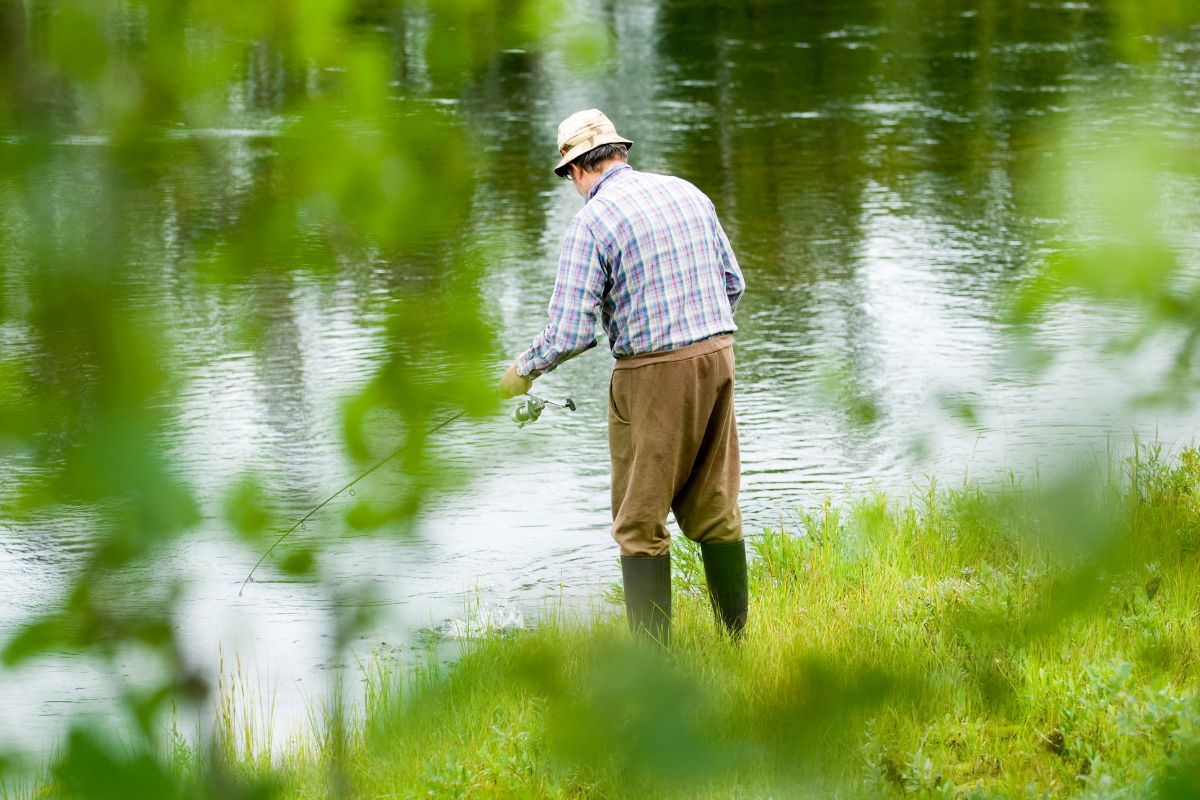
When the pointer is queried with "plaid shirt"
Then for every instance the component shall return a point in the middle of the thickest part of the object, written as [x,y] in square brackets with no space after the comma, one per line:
[648,258]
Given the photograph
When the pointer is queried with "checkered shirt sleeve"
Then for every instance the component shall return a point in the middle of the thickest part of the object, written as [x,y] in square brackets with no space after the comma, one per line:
[735,284]
[575,305]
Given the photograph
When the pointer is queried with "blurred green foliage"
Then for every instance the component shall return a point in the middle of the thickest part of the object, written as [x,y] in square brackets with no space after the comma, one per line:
[1123,211]
[115,114]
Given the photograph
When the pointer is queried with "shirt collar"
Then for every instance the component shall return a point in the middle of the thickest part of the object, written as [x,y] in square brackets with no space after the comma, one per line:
[608,173]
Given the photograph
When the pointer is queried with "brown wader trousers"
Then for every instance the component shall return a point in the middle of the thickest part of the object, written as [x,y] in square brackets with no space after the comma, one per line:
[673,441]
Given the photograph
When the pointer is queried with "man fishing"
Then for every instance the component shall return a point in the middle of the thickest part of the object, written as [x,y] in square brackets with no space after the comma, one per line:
[648,259]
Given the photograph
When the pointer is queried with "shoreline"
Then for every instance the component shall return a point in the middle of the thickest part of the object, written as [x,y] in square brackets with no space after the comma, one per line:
[966,643]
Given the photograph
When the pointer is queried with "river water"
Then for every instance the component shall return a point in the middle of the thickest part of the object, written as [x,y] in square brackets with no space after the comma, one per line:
[877,175]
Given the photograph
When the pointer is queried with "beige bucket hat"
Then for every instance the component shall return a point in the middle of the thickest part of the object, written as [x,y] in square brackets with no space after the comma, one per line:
[583,131]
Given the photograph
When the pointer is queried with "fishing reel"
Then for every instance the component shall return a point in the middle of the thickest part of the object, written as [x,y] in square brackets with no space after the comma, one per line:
[529,409]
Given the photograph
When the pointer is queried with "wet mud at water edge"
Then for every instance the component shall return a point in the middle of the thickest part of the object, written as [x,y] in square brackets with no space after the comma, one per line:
[875,176]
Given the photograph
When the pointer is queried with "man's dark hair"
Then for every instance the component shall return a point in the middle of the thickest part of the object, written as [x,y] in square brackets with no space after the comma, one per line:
[592,159]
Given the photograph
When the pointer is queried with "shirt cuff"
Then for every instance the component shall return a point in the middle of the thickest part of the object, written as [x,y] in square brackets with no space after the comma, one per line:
[525,365]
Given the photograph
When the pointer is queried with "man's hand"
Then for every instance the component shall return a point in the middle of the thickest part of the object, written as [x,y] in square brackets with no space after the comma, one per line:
[512,384]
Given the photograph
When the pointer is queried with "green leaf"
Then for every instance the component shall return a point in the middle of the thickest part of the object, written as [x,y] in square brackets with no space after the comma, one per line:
[35,639]
[89,769]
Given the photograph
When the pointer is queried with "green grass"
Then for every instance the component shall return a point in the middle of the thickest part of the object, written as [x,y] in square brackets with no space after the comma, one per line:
[1014,641]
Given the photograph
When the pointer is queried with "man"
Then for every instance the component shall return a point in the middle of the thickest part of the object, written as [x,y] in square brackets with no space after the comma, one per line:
[647,258]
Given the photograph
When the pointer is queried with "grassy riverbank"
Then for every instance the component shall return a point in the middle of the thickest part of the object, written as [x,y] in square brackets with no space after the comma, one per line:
[1015,642]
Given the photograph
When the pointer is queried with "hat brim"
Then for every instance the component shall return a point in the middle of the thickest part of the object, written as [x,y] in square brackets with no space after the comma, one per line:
[588,144]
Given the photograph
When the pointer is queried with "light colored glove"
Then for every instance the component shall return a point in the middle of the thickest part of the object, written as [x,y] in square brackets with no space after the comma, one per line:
[512,384]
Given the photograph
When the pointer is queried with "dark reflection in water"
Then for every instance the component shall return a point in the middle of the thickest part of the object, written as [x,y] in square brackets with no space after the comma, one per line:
[878,173]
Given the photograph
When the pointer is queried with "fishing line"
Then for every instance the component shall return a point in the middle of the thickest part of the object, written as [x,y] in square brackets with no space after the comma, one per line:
[528,411]
[326,501]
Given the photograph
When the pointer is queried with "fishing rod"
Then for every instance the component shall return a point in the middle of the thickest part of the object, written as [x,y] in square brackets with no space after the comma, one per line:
[525,412]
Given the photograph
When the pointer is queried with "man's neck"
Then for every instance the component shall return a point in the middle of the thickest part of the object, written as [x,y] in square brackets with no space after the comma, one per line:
[588,180]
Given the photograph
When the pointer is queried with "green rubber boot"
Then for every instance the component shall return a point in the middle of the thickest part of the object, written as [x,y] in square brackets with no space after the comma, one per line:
[648,595]
[728,584]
